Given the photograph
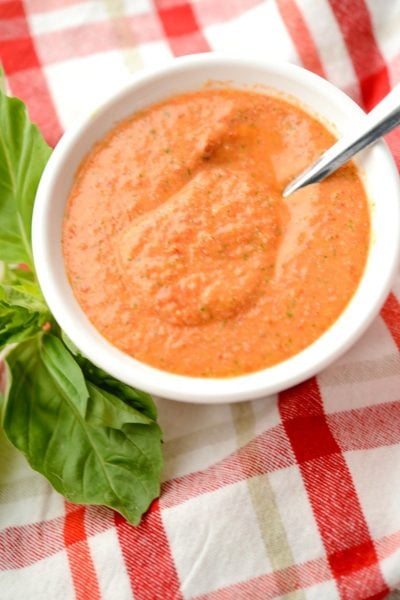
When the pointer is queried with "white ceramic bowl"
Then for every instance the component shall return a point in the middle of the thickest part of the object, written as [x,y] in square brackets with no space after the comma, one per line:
[185,74]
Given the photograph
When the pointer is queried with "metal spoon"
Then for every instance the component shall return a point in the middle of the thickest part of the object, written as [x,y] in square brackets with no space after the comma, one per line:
[382,119]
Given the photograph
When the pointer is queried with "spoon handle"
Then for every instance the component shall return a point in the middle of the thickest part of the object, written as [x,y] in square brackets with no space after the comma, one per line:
[382,119]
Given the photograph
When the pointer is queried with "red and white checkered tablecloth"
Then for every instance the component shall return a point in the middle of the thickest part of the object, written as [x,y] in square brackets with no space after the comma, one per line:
[295,496]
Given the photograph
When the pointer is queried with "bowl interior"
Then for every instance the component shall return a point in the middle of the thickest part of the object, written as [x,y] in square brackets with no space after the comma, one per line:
[191,73]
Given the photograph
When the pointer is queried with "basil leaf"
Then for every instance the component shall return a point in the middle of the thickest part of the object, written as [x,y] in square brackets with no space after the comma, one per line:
[109,410]
[106,456]
[26,295]
[70,345]
[23,156]
[65,371]
[23,312]
[137,399]
[18,323]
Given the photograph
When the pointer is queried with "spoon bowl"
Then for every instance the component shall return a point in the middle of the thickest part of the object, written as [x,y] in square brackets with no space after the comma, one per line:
[382,119]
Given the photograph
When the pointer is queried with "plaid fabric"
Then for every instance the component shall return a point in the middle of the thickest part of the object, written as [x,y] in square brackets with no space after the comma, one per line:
[295,496]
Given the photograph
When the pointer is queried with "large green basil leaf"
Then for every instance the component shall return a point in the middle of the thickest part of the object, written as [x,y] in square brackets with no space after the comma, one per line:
[137,399]
[23,156]
[109,410]
[65,372]
[109,455]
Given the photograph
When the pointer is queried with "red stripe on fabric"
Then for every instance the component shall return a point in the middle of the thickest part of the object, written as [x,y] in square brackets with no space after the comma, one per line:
[330,488]
[25,545]
[387,545]
[379,596]
[148,557]
[31,87]
[390,313]
[309,574]
[178,20]
[210,12]
[181,28]
[357,429]
[92,38]
[18,55]
[299,32]
[353,430]
[188,44]
[13,28]
[10,10]
[355,24]
[74,527]
[27,81]
[83,573]
[374,87]
[267,452]
[273,585]
[98,519]
[346,561]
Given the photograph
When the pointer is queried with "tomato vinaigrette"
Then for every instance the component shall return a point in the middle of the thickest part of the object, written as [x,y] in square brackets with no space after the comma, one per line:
[181,249]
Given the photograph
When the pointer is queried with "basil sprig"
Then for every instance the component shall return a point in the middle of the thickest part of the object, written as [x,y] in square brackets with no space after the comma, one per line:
[94,438]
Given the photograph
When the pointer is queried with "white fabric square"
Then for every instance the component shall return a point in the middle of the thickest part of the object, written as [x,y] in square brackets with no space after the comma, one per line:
[215,540]
[376,476]
[208,436]
[266,413]
[64,17]
[137,7]
[386,23]
[368,374]
[375,342]
[46,579]
[258,33]
[80,85]
[332,50]
[26,497]
[155,54]
[195,416]
[396,284]
[111,574]
[296,515]
[322,591]
[32,508]
[390,570]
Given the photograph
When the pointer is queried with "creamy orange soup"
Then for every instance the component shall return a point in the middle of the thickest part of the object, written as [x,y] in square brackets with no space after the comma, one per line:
[181,250]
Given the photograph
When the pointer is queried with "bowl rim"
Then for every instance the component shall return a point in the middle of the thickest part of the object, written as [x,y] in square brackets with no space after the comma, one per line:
[71,318]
